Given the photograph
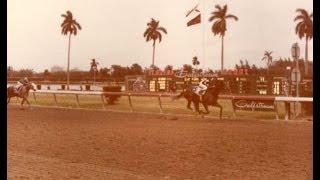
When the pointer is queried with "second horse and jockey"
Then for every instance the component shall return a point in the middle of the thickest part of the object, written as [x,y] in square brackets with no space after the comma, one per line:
[21,90]
[206,93]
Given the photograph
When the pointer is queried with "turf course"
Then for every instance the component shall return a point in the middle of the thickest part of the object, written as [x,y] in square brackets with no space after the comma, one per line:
[146,104]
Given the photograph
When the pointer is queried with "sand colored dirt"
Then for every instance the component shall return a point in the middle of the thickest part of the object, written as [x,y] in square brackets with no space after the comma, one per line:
[48,143]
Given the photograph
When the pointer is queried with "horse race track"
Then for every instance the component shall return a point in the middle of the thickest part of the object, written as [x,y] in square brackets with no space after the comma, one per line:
[49,143]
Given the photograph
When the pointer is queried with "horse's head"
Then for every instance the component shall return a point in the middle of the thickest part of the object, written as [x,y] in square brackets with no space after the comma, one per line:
[220,84]
[31,86]
[216,85]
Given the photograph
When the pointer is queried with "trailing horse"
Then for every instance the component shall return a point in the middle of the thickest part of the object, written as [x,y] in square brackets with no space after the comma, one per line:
[23,93]
[210,97]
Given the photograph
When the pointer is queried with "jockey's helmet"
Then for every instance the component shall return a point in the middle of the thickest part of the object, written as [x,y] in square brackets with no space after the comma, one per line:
[26,79]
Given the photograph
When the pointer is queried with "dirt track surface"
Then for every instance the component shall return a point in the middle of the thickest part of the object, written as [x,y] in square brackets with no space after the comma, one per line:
[45,143]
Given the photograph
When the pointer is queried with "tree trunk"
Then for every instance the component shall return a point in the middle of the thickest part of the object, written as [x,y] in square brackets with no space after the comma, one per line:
[154,47]
[306,67]
[68,73]
[222,54]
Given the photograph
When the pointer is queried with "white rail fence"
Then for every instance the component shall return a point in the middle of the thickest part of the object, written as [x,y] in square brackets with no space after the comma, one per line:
[159,95]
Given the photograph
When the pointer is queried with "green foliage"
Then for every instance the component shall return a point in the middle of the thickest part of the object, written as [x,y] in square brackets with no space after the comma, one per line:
[153,31]
[168,68]
[220,16]
[136,69]
[304,27]
[187,68]
[69,24]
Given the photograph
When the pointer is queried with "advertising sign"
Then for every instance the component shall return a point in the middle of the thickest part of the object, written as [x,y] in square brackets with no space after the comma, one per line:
[253,105]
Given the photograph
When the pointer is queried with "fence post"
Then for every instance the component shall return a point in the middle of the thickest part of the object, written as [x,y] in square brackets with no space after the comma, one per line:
[103,102]
[160,105]
[276,109]
[55,99]
[77,98]
[130,102]
[288,111]
[233,109]
[35,99]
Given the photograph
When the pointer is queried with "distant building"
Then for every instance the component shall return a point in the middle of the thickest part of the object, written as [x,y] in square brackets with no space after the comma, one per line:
[56,68]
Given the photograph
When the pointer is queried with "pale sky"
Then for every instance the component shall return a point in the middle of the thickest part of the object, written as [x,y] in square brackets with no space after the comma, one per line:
[113,32]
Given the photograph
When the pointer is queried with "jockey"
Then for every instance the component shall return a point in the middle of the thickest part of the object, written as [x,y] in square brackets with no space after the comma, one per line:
[203,86]
[20,83]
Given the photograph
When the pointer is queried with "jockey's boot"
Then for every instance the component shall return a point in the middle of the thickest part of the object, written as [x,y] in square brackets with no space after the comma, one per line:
[201,93]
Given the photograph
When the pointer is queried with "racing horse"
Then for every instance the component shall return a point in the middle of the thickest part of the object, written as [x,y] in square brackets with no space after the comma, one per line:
[23,93]
[209,98]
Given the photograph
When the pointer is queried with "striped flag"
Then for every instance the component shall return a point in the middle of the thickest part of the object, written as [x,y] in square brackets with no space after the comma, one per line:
[196,19]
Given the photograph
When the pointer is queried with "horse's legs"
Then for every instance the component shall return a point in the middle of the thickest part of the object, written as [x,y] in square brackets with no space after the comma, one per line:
[216,104]
[189,103]
[27,102]
[206,107]
[21,105]
[196,105]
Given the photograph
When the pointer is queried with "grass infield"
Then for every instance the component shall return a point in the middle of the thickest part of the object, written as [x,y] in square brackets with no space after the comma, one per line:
[147,104]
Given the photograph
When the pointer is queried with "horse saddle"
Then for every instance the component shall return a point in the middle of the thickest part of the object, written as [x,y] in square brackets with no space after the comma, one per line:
[198,90]
[18,89]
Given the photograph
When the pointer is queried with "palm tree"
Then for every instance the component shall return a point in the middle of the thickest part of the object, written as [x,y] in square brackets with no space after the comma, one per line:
[69,26]
[195,62]
[268,58]
[153,32]
[304,28]
[220,25]
[168,68]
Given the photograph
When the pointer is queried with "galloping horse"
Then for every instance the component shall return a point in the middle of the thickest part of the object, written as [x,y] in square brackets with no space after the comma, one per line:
[23,93]
[210,97]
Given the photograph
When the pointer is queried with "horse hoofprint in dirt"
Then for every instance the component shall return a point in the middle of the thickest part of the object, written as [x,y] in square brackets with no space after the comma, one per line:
[23,93]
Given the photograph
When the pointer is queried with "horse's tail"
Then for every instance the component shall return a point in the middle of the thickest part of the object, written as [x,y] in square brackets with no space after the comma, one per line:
[9,91]
[178,96]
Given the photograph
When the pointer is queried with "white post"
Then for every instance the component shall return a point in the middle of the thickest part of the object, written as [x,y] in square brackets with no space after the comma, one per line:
[77,98]
[130,102]
[160,105]
[55,99]
[296,74]
[103,102]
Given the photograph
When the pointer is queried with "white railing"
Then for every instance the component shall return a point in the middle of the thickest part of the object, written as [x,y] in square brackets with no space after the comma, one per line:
[294,99]
[159,95]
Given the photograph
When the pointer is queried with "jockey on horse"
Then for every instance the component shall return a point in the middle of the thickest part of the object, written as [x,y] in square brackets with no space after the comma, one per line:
[202,87]
[19,85]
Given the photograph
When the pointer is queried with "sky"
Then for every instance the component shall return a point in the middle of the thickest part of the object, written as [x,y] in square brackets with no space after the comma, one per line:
[112,32]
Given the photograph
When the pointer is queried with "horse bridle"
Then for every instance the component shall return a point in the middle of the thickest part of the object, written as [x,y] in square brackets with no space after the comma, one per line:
[30,86]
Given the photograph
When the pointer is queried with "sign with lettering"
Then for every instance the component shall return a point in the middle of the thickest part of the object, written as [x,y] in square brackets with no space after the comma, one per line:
[295,75]
[253,105]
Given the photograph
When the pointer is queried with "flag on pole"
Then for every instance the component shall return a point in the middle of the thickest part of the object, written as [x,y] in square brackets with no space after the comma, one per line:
[196,19]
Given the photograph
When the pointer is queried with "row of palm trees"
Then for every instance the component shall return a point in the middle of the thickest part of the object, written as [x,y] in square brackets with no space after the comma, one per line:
[304,29]
[219,27]
[219,17]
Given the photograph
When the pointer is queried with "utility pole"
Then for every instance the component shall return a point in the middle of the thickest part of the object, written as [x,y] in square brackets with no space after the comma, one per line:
[295,74]
[94,68]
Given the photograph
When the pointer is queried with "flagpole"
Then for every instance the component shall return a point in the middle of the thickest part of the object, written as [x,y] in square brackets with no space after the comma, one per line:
[203,33]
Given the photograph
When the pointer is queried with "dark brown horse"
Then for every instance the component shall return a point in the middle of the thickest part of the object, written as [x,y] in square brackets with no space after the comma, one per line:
[210,97]
[23,93]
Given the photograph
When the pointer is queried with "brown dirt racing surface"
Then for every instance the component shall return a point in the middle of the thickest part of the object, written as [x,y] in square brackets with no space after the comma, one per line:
[48,143]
